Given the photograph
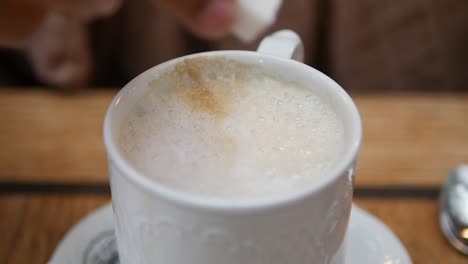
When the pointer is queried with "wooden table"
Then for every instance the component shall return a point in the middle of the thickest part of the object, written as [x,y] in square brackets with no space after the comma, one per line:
[53,168]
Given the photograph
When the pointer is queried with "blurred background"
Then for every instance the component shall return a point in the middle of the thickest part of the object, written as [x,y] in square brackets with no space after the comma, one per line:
[365,45]
[405,63]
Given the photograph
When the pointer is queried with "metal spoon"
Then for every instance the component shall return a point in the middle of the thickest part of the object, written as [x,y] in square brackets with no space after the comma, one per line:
[454,208]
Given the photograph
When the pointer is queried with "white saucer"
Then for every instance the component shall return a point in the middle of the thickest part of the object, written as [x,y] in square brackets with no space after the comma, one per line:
[92,241]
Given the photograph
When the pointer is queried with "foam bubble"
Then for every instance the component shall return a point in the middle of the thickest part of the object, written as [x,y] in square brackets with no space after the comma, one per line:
[212,128]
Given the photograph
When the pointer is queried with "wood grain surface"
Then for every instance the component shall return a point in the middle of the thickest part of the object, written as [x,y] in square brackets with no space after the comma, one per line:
[412,139]
[53,167]
[48,136]
[415,222]
[36,223]
[51,137]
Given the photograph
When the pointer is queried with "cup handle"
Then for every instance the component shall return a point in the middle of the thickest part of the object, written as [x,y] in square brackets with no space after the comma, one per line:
[284,44]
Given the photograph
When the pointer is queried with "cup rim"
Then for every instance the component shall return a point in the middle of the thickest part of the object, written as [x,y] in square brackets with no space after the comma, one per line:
[209,203]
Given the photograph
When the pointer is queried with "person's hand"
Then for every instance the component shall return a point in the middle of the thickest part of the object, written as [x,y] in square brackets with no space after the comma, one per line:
[206,18]
[53,34]
[59,48]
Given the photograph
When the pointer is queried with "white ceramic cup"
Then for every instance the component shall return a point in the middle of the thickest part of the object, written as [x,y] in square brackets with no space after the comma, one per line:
[158,225]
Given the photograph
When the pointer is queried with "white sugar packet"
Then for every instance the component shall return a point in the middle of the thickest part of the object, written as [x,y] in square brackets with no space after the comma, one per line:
[254,16]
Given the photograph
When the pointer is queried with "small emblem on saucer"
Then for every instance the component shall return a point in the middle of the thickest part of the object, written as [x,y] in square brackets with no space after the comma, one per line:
[102,249]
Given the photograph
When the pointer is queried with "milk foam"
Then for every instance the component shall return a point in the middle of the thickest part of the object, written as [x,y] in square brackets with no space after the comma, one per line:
[218,128]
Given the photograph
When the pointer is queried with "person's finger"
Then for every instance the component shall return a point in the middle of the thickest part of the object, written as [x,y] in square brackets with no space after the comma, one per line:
[208,18]
[60,54]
